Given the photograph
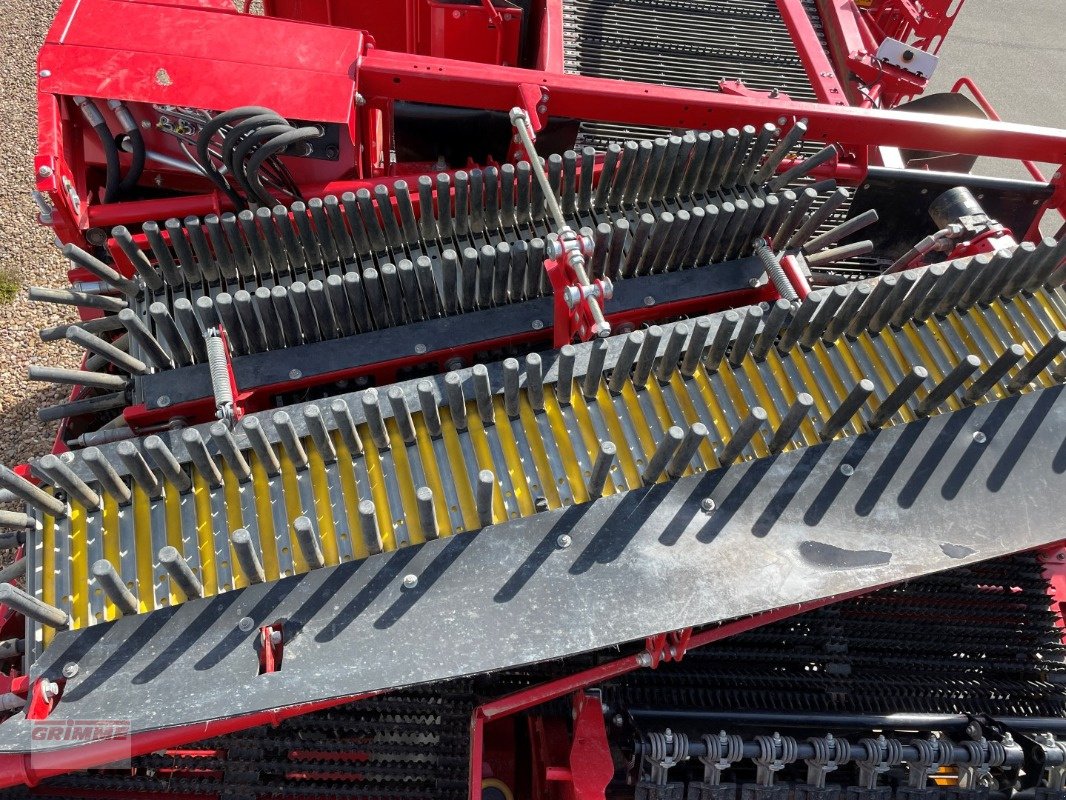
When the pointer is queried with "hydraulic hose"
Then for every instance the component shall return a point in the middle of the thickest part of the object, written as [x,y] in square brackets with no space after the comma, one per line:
[240,132]
[240,153]
[137,151]
[107,142]
[208,132]
[272,148]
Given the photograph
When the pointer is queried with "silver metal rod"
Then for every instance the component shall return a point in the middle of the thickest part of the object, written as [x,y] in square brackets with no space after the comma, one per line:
[106,475]
[905,389]
[368,525]
[727,323]
[180,572]
[67,297]
[342,419]
[247,557]
[951,382]
[108,579]
[29,606]
[31,494]
[672,353]
[1039,362]
[646,357]
[316,427]
[427,513]
[58,473]
[683,455]
[167,463]
[427,401]
[401,414]
[290,440]
[744,433]
[784,146]
[775,321]
[535,382]
[701,329]
[564,383]
[374,419]
[227,446]
[307,539]
[803,168]
[820,216]
[200,457]
[624,363]
[745,336]
[851,404]
[486,481]
[78,377]
[790,422]
[996,372]
[594,371]
[663,453]
[106,273]
[601,469]
[453,387]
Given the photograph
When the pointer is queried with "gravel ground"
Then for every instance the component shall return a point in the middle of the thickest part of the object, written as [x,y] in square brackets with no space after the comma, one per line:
[27,256]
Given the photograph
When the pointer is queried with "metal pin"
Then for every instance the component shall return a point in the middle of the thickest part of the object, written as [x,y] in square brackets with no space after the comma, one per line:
[242,256]
[88,405]
[190,326]
[336,232]
[1001,268]
[519,269]
[368,524]
[338,303]
[139,332]
[915,297]
[1023,259]
[717,179]
[405,270]
[275,248]
[247,557]
[601,469]
[304,311]
[108,274]
[453,389]
[783,148]
[199,456]
[402,414]
[804,168]
[614,252]
[262,447]
[792,221]
[289,439]
[107,351]
[427,514]
[835,255]
[444,205]
[674,342]
[694,350]
[841,231]
[117,592]
[972,280]
[584,179]
[259,260]
[162,254]
[180,572]
[747,429]
[790,422]
[307,539]
[565,377]
[57,333]
[535,382]
[407,210]
[620,191]
[327,322]
[663,454]
[208,265]
[685,452]
[627,356]
[900,284]
[740,156]
[230,320]
[535,271]
[186,260]
[649,163]
[594,371]
[523,205]
[427,222]
[368,214]
[904,390]
[374,419]
[687,248]
[58,473]
[77,377]
[715,151]
[375,297]
[600,245]
[462,217]
[1049,256]
[483,394]
[106,475]
[774,212]
[727,323]
[291,241]
[646,357]
[486,271]
[758,150]
[820,216]
[568,187]
[610,166]
[996,372]
[227,446]
[855,399]
[635,256]
[29,606]
[427,286]
[267,317]
[483,496]
[67,297]
[390,280]
[695,165]
[477,199]
[501,273]
[139,470]
[1031,370]
[450,272]
[952,381]
[383,200]
[468,296]
[510,387]
[427,401]
[775,321]
[342,419]
[167,463]
[316,426]
[244,308]
[745,336]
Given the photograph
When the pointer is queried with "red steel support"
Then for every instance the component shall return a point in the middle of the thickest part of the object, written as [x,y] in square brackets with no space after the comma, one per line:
[820,70]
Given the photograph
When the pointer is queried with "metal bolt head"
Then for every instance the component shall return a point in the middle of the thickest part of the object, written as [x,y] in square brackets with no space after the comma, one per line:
[44,172]
[754,283]
[847,470]
[295,374]
[163,401]
[245,624]
[618,720]
[644,659]
[564,541]
[420,348]
[649,301]
[70,669]
[707,505]
[979,437]
[410,581]
[45,73]
[537,324]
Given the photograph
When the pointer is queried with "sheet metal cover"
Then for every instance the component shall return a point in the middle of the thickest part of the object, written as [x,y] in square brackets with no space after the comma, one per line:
[836,518]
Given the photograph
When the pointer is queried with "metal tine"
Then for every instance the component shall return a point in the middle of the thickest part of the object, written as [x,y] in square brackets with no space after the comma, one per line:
[167,463]
[303,310]
[1051,256]
[427,285]
[979,280]
[905,389]
[624,173]
[1020,271]
[940,393]
[739,157]
[462,191]
[167,265]
[790,422]
[844,314]
[758,150]
[674,237]
[316,426]
[649,164]
[105,475]
[289,439]
[729,220]
[646,356]
[477,198]
[58,333]
[511,377]
[427,513]
[107,351]
[15,521]
[479,375]
[108,579]
[106,273]
[686,249]
[338,302]
[375,420]
[672,353]
[260,262]
[89,405]
[182,249]
[247,557]
[501,273]
[312,248]
[453,389]
[449,261]
[789,226]
[775,322]
[850,406]
[915,297]
[831,303]
[645,223]
[601,469]
[1040,361]
[483,496]
[727,323]
[291,241]
[30,607]
[427,404]
[486,269]
[664,452]
[627,356]
[585,178]
[200,457]
[492,197]
[692,167]
[507,195]
[682,165]
[835,255]
[249,323]
[804,168]
[611,157]
[268,318]
[568,188]
[600,244]
[564,382]
[217,237]
[406,207]
[369,216]
[535,268]
[904,284]
[717,217]
[409,288]
[139,332]
[445,227]
[469,279]
[390,281]
[939,285]
[205,313]
[368,526]
[383,201]
[375,300]
[996,372]
[401,414]
[62,476]
[208,265]
[820,216]
[342,420]
[523,202]
[179,571]
[683,455]
[690,361]
[427,220]
[650,261]
[728,149]
[715,145]
[227,447]
[999,274]
[336,231]
[242,256]
[615,249]
[739,238]
[140,472]
[31,494]
[594,371]
[744,433]
[845,229]
[77,377]
[261,445]
[68,297]
[745,336]
[788,140]
[667,172]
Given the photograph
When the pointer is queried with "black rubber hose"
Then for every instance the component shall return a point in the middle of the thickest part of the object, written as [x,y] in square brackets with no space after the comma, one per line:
[207,133]
[137,150]
[107,142]
[240,132]
[271,148]
[240,153]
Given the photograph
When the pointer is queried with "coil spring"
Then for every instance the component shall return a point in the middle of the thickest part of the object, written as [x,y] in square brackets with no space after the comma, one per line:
[218,365]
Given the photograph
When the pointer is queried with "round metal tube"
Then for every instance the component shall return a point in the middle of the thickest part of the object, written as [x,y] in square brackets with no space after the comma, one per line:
[374,419]
[427,402]
[1039,362]
[565,377]
[289,439]
[483,495]
[674,342]
[167,329]
[227,446]
[775,321]
[727,323]
[368,525]
[106,475]
[601,469]
[201,458]
[744,433]
[180,572]
[952,381]
[307,539]
[663,453]
[904,283]
[996,372]
[624,363]
[117,592]
[167,463]
[64,478]
[745,336]
[790,422]
[511,378]
[402,414]
[139,470]
[594,371]
[316,426]
[701,329]
[105,273]
[13,519]
[904,390]
[845,314]
[535,382]
[427,513]
[483,394]
[342,419]
[646,357]
[107,351]
[851,404]
[832,301]
[32,608]
[453,389]
[247,557]
[68,297]
[685,452]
